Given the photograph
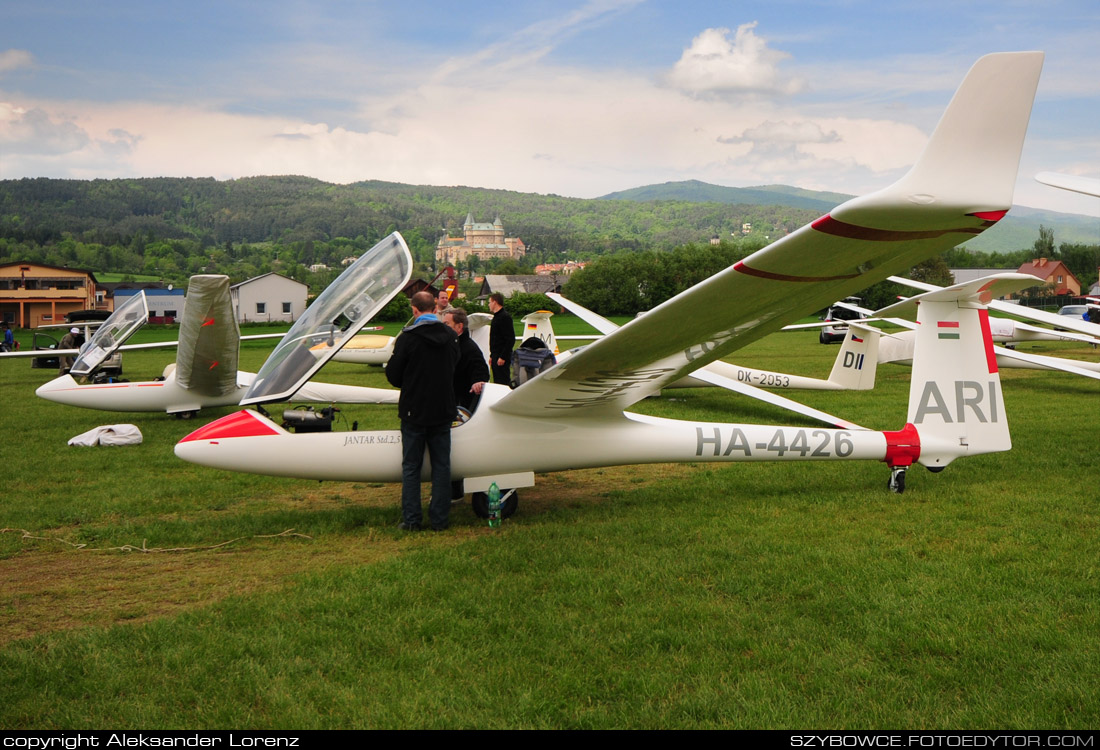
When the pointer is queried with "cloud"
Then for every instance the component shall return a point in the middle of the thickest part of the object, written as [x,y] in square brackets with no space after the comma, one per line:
[13,59]
[714,64]
[784,132]
[33,131]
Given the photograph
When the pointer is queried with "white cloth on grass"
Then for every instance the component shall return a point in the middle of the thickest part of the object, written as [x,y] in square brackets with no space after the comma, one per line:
[111,434]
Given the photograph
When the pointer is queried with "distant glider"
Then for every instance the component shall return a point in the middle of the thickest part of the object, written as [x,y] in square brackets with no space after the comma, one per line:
[204,374]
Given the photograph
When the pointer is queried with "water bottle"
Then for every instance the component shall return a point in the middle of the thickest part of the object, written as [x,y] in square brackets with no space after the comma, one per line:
[494,505]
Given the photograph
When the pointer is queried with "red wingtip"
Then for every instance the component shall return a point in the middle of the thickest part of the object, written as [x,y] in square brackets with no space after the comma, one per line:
[989,215]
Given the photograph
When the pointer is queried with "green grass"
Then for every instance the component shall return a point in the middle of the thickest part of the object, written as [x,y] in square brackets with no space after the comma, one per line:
[693,595]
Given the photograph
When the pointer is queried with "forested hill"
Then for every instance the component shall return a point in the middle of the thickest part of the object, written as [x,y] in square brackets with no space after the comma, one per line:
[173,227]
[298,209]
[1017,231]
[762,195]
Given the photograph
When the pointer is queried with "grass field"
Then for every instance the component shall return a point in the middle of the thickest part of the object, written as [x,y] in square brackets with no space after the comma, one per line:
[140,591]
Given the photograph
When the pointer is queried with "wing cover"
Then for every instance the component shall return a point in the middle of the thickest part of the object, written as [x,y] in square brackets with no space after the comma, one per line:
[961,185]
[209,338]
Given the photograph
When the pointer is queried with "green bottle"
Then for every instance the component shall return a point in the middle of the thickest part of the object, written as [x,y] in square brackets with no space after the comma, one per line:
[494,505]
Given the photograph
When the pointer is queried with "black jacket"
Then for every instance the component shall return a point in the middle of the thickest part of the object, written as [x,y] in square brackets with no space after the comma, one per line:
[471,369]
[423,367]
[502,336]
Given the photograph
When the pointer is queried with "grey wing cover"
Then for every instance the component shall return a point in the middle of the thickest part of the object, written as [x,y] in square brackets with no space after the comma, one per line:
[209,338]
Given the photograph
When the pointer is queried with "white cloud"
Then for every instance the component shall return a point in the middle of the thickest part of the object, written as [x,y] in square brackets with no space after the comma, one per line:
[33,131]
[13,59]
[714,64]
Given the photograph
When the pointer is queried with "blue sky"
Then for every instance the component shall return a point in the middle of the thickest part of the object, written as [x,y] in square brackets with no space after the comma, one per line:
[577,98]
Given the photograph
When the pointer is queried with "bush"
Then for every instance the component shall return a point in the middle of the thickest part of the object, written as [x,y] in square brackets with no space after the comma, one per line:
[522,303]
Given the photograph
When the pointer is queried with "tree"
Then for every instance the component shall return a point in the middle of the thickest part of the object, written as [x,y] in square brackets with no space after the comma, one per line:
[932,271]
[1044,246]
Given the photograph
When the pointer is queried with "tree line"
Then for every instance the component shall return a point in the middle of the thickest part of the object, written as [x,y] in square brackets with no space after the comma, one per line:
[641,253]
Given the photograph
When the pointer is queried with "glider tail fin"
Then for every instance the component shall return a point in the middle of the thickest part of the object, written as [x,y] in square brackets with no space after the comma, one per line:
[538,324]
[955,399]
[857,361]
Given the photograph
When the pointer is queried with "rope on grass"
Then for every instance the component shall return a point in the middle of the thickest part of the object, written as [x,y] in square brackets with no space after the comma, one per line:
[144,548]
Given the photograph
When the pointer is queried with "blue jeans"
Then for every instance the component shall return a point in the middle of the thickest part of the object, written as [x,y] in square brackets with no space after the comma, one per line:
[414,439]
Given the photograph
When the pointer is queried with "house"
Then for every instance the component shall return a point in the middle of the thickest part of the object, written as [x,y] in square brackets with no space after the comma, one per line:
[35,294]
[566,269]
[511,284]
[165,304]
[1054,274]
[270,297]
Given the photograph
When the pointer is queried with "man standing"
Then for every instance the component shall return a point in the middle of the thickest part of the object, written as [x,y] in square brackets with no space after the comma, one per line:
[423,367]
[502,337]
[442,302]
[71,340]
[471,373]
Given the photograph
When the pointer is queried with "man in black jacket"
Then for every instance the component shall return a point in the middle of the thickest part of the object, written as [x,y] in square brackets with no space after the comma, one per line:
[472,373]
[423,367]
[502,338]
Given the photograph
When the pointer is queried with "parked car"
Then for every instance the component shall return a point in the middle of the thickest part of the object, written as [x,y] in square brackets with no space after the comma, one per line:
[835,333]
[1074,311]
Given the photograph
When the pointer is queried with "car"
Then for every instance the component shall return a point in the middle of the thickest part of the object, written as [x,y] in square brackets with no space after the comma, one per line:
[1074,311]
[832,334]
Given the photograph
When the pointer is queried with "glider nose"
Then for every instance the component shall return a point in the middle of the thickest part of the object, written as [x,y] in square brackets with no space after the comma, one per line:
[244,423]
[228,443]
[57,389]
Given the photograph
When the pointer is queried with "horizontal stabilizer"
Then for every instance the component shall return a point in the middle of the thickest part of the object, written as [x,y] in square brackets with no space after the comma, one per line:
[977,292]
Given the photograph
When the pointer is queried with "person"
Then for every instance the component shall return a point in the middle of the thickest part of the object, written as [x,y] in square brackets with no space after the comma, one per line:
[442,302]
[9,339]
[71,340]
[423,367]
[502,338]
[471,373]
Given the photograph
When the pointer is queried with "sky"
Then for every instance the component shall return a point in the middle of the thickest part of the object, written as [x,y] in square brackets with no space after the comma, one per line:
[577,98]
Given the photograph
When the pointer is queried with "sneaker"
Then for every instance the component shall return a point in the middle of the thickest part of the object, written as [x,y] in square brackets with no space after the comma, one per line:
[444,527]
[408,526]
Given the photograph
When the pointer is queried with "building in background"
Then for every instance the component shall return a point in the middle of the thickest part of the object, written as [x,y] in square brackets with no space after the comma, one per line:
[37,294]
[485,241]
[1054,274]
[269,298]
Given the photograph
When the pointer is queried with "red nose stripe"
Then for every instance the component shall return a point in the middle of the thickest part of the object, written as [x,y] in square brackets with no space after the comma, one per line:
[242,424]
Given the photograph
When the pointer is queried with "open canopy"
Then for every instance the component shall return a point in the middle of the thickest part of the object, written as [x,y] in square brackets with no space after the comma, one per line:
[126,319]
[335,316]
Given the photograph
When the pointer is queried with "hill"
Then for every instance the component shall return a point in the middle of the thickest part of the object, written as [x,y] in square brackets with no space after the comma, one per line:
[1016,231]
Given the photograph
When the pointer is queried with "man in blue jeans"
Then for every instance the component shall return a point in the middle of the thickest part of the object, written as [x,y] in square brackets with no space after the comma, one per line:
[423,366]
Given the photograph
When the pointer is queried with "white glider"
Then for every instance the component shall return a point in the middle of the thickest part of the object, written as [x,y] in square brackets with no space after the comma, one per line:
[574,414]
[205,372]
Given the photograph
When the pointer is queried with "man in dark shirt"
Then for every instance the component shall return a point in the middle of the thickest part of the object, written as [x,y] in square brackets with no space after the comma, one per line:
[423,367]
[502,338]
[472,373]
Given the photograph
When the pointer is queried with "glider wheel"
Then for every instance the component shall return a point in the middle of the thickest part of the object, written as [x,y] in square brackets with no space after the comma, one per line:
[896,482]
[479,501]
[185,414]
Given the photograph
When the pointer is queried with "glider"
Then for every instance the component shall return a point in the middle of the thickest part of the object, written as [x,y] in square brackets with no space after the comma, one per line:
[574,415]
[847,373]
[1090,331]
[205,371]
[1074,183]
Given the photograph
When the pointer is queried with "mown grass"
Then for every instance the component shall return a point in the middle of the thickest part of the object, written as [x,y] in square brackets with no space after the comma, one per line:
[693,595]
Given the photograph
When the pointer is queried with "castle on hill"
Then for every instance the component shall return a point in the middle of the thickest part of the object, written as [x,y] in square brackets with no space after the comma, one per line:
[479,239]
